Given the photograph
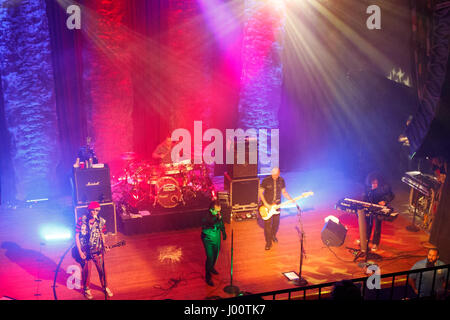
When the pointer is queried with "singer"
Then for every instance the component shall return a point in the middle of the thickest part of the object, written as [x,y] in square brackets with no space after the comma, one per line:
[212,226]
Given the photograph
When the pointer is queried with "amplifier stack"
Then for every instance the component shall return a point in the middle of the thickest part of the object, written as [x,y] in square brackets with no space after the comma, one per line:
[94,184]
[241,182]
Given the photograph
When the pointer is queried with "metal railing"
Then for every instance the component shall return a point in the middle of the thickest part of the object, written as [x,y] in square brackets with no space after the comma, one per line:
[393,286]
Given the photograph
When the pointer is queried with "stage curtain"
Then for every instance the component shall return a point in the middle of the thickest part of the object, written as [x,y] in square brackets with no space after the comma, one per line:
[66,47]
[29,97]
[431,29]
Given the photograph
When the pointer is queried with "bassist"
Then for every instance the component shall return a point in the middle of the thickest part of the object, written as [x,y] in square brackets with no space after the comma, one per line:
[90,239]
[270,191]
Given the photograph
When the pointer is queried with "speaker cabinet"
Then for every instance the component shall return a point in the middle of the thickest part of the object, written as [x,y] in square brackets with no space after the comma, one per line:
[93,184]
[333,234]
[238,171]
[107,212]
[246,169]
[243,192]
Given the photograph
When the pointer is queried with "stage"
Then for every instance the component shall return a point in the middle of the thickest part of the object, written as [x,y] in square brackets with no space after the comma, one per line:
[170,264]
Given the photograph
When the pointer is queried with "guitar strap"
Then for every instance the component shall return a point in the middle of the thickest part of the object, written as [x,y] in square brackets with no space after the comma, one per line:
[274,198]
[274,190]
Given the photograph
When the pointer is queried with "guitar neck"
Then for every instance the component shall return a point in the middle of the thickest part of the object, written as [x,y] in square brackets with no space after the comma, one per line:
[291,201]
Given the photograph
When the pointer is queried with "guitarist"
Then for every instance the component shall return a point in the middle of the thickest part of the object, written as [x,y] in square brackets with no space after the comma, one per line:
[270,192]
[90,239]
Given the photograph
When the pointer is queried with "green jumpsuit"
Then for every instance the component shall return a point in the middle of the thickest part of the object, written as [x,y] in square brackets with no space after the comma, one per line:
[212,225]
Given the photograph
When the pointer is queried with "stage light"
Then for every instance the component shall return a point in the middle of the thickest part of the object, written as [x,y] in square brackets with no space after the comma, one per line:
[332,218]
[55,233]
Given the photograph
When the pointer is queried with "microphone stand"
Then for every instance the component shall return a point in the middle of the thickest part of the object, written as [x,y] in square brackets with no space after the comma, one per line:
[103,267]
[300,282]
[231,289]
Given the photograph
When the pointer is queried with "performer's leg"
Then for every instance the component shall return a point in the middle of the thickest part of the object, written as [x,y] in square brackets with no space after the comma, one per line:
[275,225]
[86,273]
[216,250]
[377,231]
[268,231]
[98,260]
[210,258]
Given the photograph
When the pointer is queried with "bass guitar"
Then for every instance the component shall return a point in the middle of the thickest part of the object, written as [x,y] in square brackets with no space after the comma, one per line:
[76,254]
[267,213]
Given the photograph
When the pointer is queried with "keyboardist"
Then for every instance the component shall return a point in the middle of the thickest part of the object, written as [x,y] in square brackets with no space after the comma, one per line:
[377,191]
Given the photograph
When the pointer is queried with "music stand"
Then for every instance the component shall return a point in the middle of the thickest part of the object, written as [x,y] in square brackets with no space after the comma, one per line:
[103,266]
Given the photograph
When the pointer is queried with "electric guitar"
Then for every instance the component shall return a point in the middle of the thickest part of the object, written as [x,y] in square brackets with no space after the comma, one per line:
[76,254]
[267,213]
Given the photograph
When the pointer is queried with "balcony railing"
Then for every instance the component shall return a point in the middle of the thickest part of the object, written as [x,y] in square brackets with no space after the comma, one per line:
[393,286]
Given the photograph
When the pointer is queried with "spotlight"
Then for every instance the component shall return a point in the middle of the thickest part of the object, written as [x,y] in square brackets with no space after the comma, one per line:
[55,233]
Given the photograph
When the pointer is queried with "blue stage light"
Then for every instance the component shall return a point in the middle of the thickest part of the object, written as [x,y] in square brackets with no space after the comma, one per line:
[55,233]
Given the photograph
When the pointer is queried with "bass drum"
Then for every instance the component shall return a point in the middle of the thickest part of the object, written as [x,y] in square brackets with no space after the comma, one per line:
[169,194]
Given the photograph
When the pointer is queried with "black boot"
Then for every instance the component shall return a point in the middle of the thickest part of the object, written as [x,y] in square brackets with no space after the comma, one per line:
[214,271]
[208,280]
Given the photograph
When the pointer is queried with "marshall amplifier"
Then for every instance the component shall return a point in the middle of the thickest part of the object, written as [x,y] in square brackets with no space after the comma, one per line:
[250,166]
[107,212]
[93,184]
[237,171]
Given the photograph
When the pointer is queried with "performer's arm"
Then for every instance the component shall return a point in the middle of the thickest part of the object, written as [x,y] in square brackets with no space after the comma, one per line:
[77,238]
[102,232]
[261,195]
[77,241]
[388,196]
[222,229]
[286,194]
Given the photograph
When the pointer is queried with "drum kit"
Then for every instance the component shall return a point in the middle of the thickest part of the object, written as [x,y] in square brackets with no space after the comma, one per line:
[143,183]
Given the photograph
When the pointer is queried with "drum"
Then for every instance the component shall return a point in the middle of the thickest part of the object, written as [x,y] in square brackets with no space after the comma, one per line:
[169,194]
[152,174]
[135,180]
[171,169]
[186,165]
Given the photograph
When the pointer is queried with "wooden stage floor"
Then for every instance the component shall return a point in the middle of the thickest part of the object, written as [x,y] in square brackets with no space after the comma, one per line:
[169,265]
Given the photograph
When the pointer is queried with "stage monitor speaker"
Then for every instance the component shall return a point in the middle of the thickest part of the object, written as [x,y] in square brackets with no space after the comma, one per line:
[243,192]
[333,234]
[93,184]
[107,212]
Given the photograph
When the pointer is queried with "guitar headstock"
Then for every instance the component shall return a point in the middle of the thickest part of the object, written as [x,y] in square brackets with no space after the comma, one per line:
[307,194]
